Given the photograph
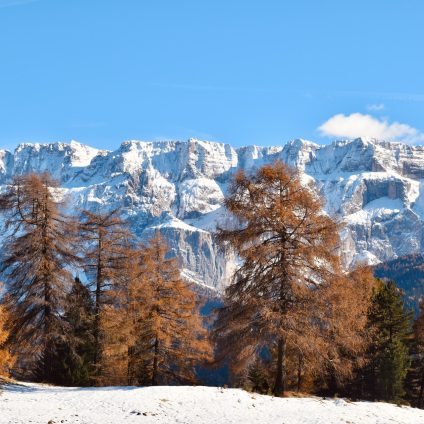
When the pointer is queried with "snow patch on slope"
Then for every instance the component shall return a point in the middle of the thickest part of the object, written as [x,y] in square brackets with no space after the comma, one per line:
[375,188]
[40,404]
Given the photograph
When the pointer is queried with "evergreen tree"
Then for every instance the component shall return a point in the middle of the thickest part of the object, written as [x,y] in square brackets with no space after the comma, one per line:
[258,378]
[415,379]
[36,256]
[390,329]
[75,350]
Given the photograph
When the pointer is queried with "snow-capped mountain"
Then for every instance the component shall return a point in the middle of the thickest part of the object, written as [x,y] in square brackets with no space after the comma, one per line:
[178,187]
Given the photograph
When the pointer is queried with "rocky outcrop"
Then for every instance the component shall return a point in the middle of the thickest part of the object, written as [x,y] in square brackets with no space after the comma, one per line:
[178,188]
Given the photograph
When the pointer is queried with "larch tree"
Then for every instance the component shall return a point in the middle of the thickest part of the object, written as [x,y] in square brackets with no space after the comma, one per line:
[333,338]
[37,254]
[120,321]
[6,359]
[287,249]
[106,242]
[170,339]
[115,361]
[341,308]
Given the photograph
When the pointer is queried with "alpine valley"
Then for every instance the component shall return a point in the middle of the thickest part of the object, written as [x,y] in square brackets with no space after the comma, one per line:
[177,187]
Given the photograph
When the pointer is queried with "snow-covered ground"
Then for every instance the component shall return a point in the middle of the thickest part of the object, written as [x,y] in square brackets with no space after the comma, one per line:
[31,403]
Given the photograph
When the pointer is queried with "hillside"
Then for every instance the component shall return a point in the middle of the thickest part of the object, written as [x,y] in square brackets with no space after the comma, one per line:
[408,273]
[178,188]
[39,404]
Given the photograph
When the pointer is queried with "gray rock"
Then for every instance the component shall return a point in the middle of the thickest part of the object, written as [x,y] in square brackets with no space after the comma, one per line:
[178,188]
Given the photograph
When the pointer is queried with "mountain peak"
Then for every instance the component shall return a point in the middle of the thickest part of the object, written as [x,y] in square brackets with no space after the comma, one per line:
[179,187]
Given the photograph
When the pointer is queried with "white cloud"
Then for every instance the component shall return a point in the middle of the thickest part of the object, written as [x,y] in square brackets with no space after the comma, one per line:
[360,125]
[376,107]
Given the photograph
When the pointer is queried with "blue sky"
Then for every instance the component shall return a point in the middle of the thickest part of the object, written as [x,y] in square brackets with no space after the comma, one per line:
[244,72]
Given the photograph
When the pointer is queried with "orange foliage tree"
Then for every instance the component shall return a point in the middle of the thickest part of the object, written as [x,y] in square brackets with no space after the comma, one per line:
[288,293]
[153,333]
[6,359]
[169,338]
[106,246]
[38,251]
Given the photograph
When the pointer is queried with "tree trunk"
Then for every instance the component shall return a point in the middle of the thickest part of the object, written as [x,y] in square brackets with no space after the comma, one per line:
[129,366]
[299,373]
[281,350]
[97,328]
[47,357]
[280,375]
[420,395]
[333,384]
[99,282]
[155,363]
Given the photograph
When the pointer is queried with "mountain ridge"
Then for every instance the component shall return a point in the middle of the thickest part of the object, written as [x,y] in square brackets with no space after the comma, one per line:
[178,187]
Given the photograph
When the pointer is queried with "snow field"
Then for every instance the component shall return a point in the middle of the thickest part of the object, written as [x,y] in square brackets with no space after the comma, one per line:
[38,404]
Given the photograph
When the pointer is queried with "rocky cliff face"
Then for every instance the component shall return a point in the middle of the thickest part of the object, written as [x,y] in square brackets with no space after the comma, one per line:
[178,188]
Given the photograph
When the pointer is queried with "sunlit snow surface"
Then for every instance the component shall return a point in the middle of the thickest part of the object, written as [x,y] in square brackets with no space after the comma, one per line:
[30,403]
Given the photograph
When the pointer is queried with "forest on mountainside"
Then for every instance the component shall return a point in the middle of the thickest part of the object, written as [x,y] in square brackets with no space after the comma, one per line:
[408,273]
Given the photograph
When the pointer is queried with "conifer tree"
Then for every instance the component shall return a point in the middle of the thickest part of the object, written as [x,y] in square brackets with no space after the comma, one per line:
[415,378]
[170,339]
[115,360]
[6,359]
[75,350]
[120,323]
[106,242]
[37,254]
[287,247]
[341,308]
[390,326]
[258,378]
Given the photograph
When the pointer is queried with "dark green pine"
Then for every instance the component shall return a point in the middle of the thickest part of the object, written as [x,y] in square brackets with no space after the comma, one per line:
[74,353]
[389,360]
